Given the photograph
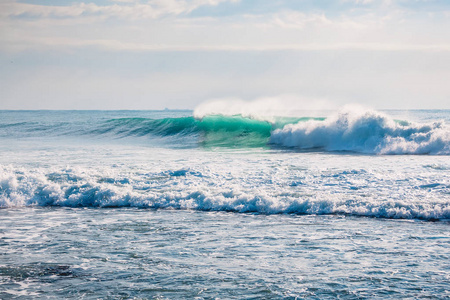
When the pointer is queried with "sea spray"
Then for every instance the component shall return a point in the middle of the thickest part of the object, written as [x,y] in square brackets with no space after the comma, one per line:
[365,131]
[265,108]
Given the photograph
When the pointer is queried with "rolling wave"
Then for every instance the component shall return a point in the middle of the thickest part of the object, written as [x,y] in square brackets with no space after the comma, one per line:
[188,125]
[210,131]
[360,131]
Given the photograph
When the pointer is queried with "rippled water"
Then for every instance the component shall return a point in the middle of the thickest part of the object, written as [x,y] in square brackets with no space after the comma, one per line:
[139,253]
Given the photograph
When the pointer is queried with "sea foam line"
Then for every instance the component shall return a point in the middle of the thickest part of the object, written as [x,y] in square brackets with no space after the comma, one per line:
[190,190]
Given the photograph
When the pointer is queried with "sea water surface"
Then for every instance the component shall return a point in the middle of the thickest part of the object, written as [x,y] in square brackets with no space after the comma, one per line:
[350,204]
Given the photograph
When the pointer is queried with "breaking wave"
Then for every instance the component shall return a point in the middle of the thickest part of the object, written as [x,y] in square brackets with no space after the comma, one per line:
[187,189]
[361,131]
[366,132]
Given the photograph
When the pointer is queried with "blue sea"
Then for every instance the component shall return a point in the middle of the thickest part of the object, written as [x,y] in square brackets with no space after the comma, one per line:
[175,204]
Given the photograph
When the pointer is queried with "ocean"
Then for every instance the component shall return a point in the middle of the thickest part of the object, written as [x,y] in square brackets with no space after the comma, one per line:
[180,204]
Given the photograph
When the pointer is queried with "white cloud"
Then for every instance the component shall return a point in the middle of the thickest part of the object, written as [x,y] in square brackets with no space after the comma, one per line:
[125,9]
[138,30]
[299,20]
[125,1]
[64,43]
[140,27]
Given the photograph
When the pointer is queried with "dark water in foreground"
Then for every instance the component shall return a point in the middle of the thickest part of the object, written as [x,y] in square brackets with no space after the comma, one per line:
[53,253]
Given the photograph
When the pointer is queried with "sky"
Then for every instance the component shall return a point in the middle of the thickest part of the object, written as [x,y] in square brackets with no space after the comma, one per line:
[179,54]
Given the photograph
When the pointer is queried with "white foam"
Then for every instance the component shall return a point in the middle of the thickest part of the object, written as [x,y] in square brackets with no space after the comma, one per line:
[353,192]
[366,131]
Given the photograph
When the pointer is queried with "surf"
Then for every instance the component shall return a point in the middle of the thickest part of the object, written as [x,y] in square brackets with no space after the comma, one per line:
[365,131]
[347,130]
[206,189]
